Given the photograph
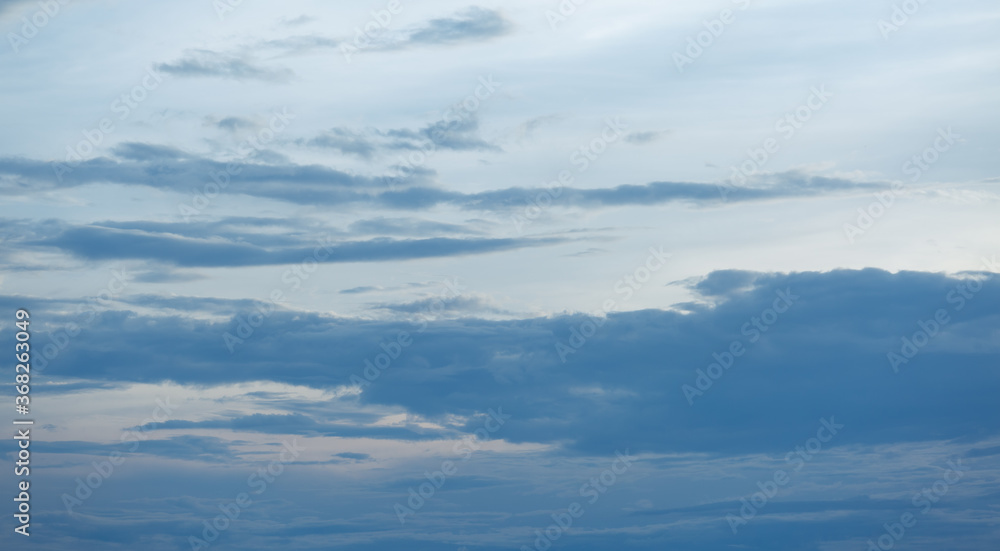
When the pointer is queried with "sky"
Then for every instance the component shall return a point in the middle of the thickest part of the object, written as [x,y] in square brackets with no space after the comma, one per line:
[513,275]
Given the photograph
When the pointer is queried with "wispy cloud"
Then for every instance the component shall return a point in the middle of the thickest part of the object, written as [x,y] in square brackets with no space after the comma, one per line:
[472,24]
[208,63]
[456,135]
[160,167]
[104,243]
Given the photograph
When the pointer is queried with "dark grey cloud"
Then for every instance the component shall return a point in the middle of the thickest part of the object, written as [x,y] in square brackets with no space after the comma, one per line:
[207,63]
[726,283]
[134,151]
[789,185]
[105,243]
[360,290]
[826,356]
[253,241]
[455,134]
[166,168]
[235,124]
[472,24]
[777,186]
[353,456]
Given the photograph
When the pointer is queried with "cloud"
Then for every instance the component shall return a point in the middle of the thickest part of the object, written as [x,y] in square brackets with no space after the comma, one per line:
[769,187]
[346,141]
[592,251]
[465,305]
[984,452]
[296,423]
[255,230]
[301,44]
[726,283]
[254,241]
[186,447]
[457,135]
[577,388]
[375,288]
[472,24]
[460,134]
[207,63]
[166,168]
[188,305]
[353,456]
[104,243]
[300,20]
[408,226]
[825,357]
[360,290]
[640,138]
[134,151]
[235,124]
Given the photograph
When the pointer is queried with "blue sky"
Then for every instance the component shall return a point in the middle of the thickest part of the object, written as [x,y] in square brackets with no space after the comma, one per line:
[518,275]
